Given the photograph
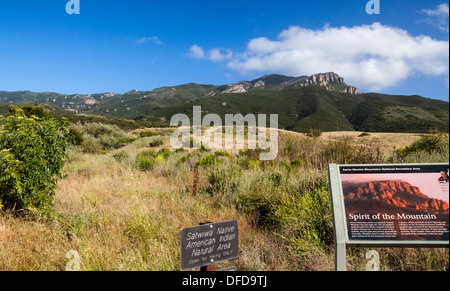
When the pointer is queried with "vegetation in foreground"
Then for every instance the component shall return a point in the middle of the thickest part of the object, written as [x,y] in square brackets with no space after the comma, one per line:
[122,208]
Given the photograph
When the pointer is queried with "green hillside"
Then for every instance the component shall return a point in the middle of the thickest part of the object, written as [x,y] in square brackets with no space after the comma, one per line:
[303,108]
[300,105]
[60,114]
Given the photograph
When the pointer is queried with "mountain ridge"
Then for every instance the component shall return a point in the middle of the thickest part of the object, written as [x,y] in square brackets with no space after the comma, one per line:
[321,101]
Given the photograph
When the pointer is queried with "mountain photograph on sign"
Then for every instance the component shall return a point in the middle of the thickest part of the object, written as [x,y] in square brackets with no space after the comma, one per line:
[400,201]
[142,135]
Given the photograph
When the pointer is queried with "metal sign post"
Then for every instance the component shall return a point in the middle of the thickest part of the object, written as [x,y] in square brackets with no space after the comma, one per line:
[405,205]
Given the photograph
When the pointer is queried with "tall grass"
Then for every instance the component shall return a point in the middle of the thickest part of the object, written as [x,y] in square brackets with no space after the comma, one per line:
[120,216]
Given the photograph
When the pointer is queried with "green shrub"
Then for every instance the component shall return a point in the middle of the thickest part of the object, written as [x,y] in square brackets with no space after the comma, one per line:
[156,143]
[11,185]
[32,155]
[147,160]
[276,179]
[183,160]
[297,163]
[180,150]
[91,145]
[309,215]
[30,111]
[224,179]
[249,164]
[146,164]
[165,153]
[433,142]
[74,136]
[251,154]
[146,155]
[364,134]
[208,161]
[222,154]
[204,149]
[121,156]
[106,135]
[313,132]
[160,160]
[148,133]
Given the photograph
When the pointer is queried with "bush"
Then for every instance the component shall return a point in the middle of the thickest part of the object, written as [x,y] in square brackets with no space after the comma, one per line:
[183,160]
[98,134]
[32,155]
[74,136]
[276,179]
[147,160]
[146,155]
[10,183]
[313,133]
[224,179]
[91,145]
[251,154]
[222,154]
[297,163]
[121,156]
[204,149]
[148,133]
[156,143]
[208,161]
[435,142]
[249,164]
[364,134]
[146,164]
[165,153]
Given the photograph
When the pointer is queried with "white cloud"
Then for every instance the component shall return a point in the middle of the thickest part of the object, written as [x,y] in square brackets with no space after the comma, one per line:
[438,17]
[220,54]
[439,10]
[215,54]
[196,52]
[372,57]
[153,39]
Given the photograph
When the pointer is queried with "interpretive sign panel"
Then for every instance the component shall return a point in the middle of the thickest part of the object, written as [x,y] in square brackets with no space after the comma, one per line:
[396,202]
[404,205]
[208,244]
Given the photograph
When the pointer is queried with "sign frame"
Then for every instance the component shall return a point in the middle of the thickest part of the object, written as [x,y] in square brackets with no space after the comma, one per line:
[211,238]
[341,234]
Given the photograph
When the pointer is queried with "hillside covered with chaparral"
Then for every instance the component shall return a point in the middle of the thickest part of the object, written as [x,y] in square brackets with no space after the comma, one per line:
[125,194]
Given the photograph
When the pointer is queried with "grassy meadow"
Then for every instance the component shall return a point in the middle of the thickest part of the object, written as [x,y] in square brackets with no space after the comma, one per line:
[123,208]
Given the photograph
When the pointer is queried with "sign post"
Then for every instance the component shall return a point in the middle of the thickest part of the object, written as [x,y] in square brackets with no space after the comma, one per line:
[404,205]
[209,268]
[205,245]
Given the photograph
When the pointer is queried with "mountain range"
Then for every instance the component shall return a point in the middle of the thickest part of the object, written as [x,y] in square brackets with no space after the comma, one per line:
[321,101]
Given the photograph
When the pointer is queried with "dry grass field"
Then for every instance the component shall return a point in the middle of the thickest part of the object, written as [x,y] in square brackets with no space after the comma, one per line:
[119,217]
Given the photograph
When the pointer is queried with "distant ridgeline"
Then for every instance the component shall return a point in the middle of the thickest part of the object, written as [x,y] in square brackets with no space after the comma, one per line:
[321,101]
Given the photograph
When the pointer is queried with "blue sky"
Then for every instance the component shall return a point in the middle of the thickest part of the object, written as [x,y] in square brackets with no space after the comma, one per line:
[116,46]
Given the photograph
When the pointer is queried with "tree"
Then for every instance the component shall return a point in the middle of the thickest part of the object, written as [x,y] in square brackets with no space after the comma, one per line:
[32,155]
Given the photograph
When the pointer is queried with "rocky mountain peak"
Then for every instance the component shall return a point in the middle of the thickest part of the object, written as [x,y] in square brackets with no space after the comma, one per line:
[396,193]
[329,81]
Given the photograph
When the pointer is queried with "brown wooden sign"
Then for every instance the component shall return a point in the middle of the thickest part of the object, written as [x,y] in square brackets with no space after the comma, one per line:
[209,244]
